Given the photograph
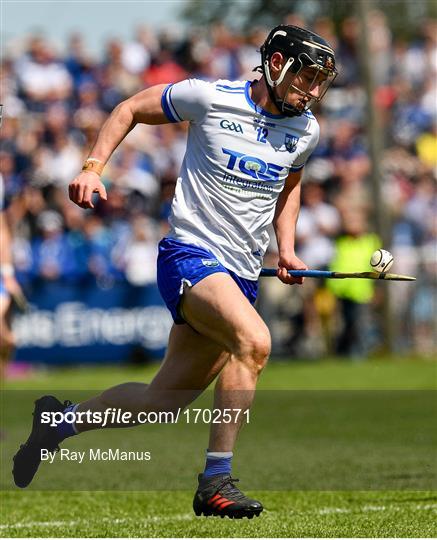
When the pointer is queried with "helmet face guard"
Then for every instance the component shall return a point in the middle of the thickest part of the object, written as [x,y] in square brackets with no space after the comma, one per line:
[308,56]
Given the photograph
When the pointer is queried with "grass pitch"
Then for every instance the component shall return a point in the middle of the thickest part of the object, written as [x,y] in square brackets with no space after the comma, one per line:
[287,514]
[305,513]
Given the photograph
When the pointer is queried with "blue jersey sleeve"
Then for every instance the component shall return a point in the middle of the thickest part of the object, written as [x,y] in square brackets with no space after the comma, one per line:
[187,100]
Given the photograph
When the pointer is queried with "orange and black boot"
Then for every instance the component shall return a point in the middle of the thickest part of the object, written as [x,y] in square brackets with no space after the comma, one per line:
[218,496]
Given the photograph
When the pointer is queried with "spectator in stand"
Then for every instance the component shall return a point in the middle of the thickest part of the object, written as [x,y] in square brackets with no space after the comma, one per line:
[163,69]
[353,249]
[347,53]
[42,79]
[67,155]
[136,54]
[141,253]
[79,62]
[96,249]
[426,147]
[53,255]
[318,224]
[89,113]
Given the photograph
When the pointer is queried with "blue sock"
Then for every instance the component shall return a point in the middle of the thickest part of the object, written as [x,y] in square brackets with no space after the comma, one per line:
[67,429]
[218,463]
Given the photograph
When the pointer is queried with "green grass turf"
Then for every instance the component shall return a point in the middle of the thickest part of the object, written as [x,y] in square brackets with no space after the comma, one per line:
[404,513]
[287,514]
[332,374]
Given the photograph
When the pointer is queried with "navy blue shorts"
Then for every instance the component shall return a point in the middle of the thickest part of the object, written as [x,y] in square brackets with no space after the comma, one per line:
[182,264]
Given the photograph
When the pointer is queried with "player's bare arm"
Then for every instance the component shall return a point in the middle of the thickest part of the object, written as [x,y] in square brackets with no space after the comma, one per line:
[13,291]
[142,108]
[284,223]
[6,262]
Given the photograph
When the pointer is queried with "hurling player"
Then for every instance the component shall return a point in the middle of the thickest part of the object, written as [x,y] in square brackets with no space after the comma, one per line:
[247,144]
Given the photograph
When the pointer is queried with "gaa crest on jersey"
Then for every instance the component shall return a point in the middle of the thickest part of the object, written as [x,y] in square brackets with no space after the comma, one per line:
[232,126]
[291,142]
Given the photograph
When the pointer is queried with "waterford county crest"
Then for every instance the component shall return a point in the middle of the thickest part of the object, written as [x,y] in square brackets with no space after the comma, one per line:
[291,142]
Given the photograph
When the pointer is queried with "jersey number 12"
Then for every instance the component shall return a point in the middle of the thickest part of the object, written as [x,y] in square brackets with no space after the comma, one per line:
[262,134]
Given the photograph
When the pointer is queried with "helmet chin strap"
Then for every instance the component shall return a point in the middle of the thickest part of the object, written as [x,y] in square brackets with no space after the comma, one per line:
[281,105]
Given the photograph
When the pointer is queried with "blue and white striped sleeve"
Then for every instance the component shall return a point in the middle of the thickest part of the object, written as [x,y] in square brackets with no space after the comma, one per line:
[186,100]
[313,139]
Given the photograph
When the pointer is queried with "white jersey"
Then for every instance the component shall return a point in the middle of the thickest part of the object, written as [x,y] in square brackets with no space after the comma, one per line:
[237,160]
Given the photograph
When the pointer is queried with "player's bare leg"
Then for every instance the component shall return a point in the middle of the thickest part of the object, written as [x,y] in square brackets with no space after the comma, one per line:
[191,362]
[249,346]
[230,393]
[243,333]
[222,325]
[7,341]
[217,308]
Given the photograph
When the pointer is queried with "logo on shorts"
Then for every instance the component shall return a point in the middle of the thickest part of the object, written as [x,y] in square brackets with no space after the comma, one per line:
[291,142]
[210,262]
[232,126]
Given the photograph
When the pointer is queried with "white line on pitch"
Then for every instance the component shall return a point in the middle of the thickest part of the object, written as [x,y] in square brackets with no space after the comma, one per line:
[149,519]
[372,508]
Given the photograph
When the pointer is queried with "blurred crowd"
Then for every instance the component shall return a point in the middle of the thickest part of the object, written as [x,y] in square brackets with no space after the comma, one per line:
[55,101]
